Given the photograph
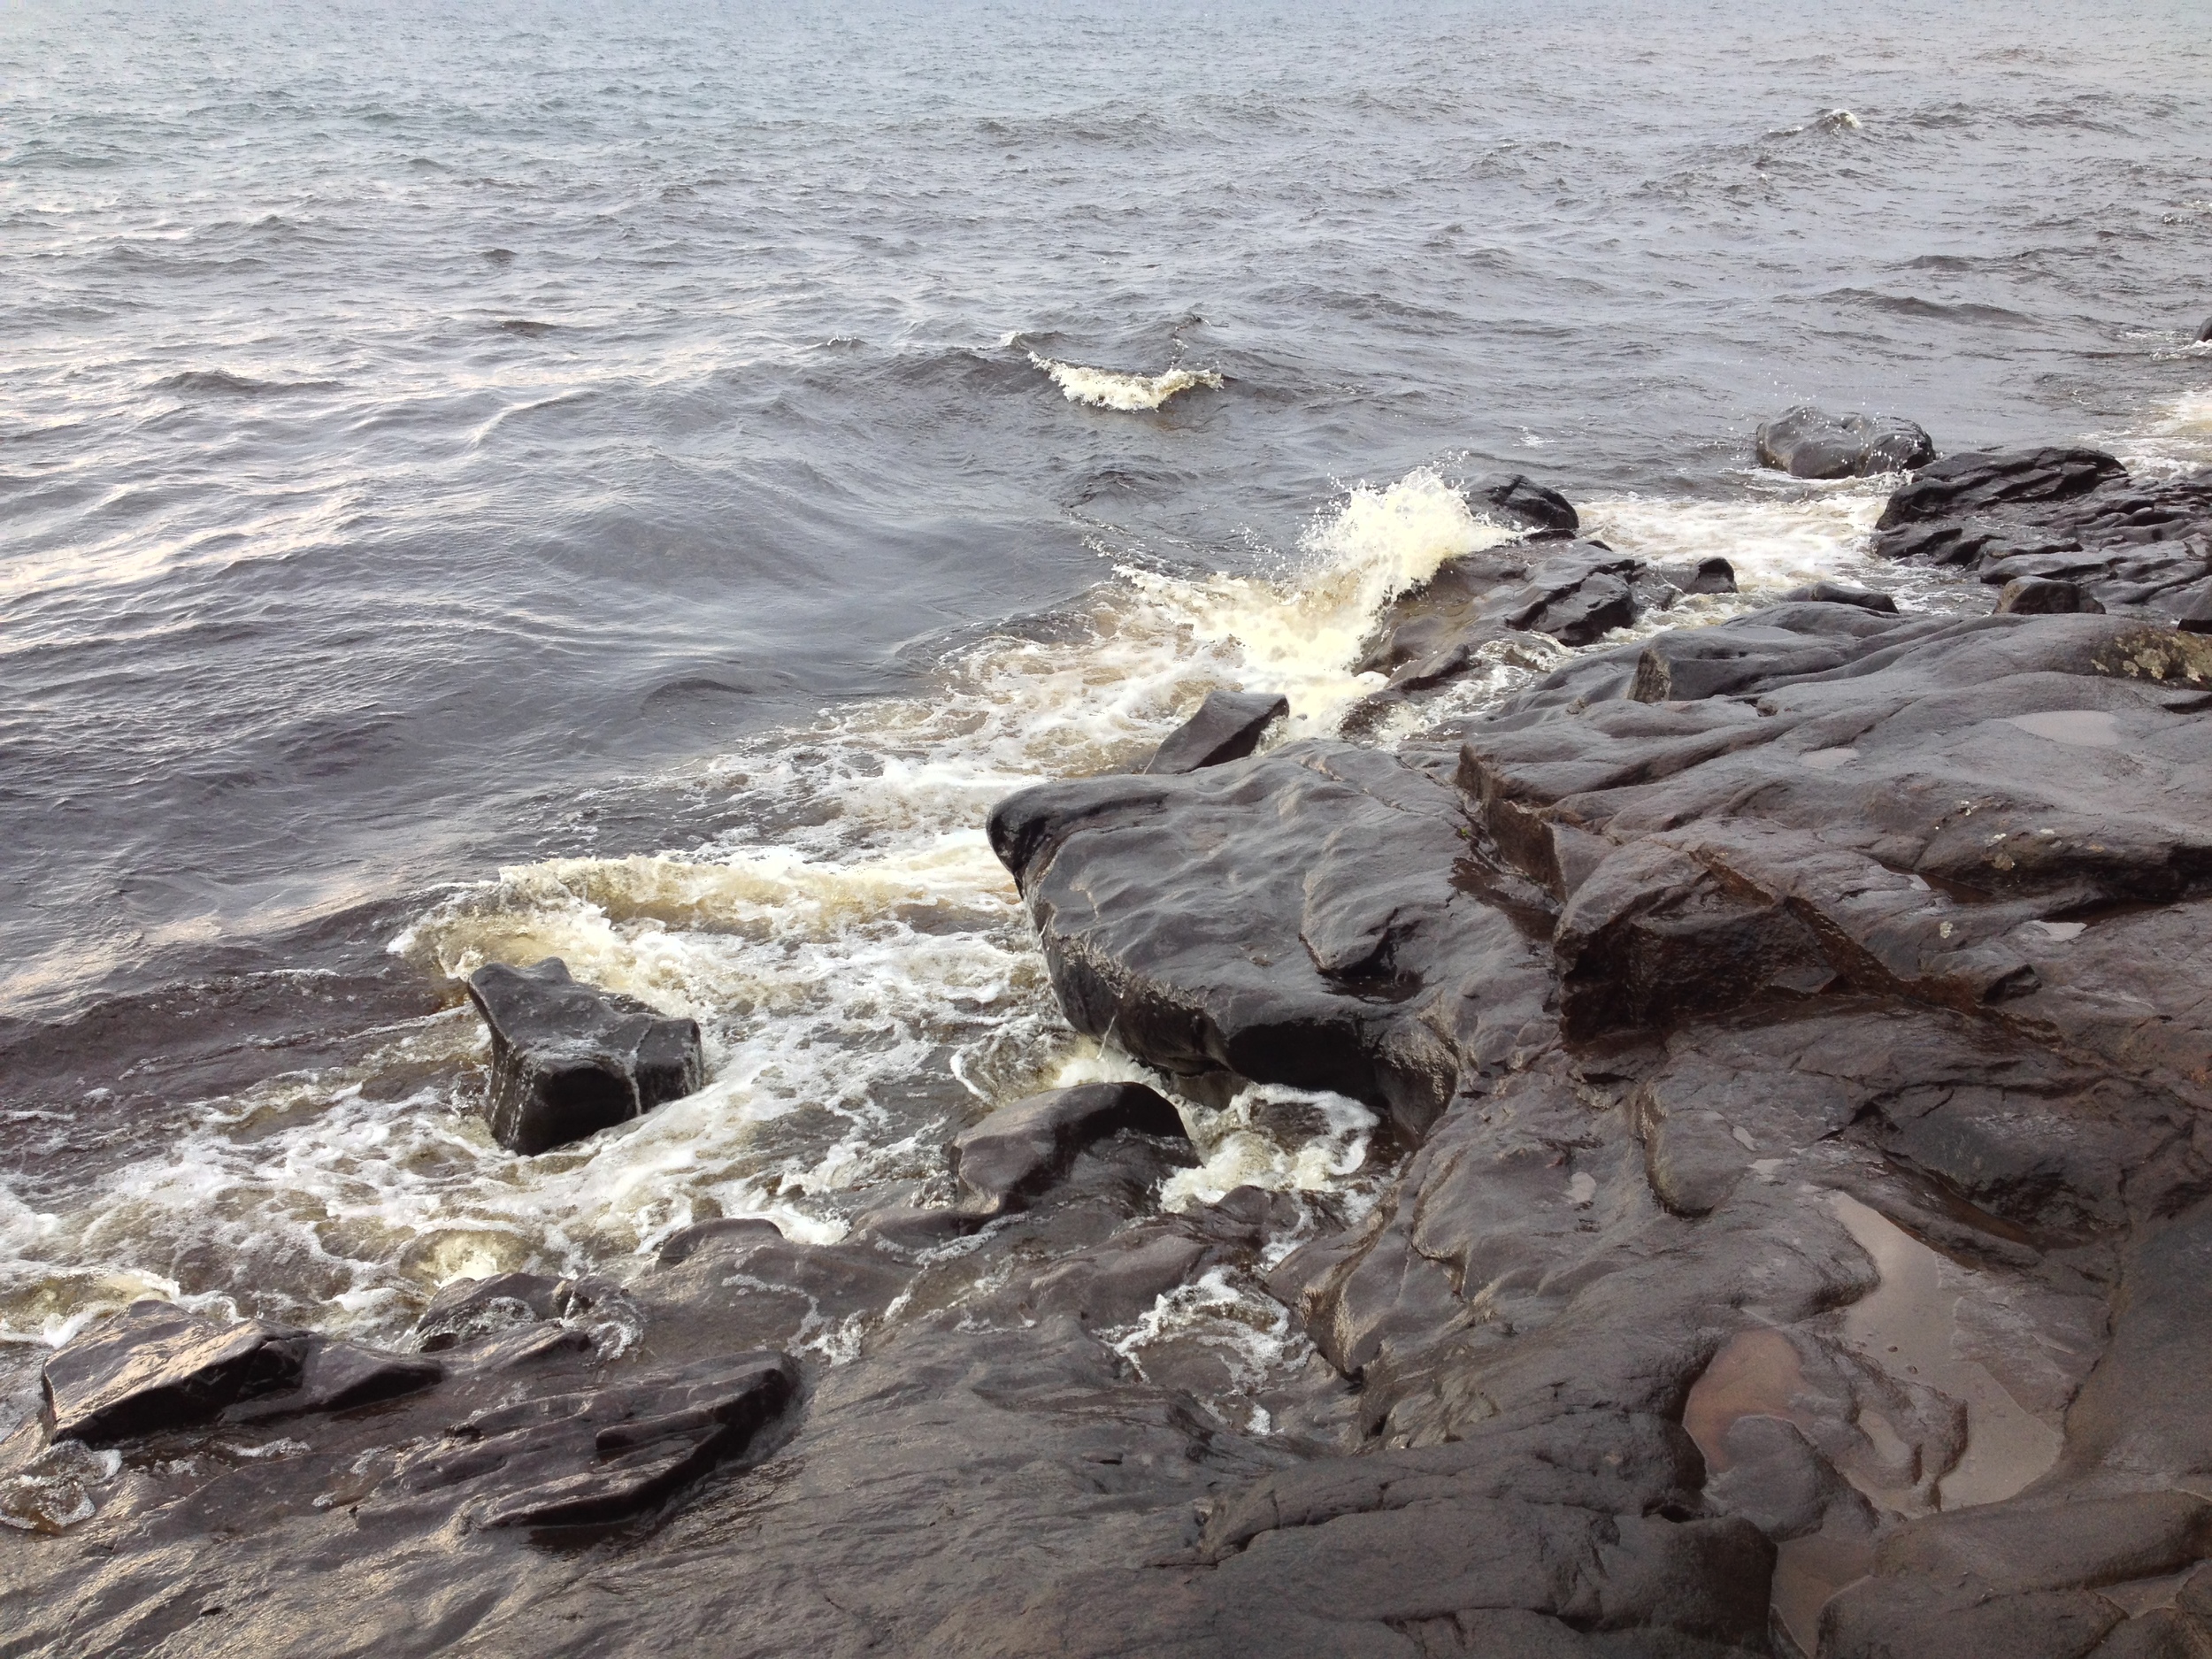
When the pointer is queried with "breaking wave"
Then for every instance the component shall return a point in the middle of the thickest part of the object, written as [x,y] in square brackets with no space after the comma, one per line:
[1111,388]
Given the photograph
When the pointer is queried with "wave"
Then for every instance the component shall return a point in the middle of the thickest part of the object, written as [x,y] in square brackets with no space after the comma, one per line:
[1111,388]
[222,383]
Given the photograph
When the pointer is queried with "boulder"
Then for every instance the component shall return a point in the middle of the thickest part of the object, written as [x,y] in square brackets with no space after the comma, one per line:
[2042,596]
[1807,442]
[1020,1150]
[1714,575]
[1841,593]
[154,1367]
[1296,917]
[569,1060]
[1227,727]
[1546,511]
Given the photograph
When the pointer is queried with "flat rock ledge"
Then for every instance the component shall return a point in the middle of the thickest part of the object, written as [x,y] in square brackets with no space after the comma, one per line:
[1791,1041]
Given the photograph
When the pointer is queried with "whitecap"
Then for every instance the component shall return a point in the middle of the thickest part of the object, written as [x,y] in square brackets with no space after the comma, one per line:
[1112,388]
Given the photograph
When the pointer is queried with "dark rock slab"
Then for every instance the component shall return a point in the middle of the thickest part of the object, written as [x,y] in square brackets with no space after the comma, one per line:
[339,1376]
[681,1246]
[2065,517]
[1300,918]
[1841,593]
[1807,442]
[2044,596]
[1544,510]
[1020,1150]
[1227,727]
[1714,575]
[154,1367]
[569,1060]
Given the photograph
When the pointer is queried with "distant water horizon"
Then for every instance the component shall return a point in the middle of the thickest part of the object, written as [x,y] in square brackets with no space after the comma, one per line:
[637,483]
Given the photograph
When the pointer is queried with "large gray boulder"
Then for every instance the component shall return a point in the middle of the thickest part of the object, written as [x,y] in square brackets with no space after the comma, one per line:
[1808,443]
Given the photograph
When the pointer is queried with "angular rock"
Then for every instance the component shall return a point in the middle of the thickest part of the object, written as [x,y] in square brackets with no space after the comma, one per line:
[1545,511]
[1841,593]
[1020,1150]
[1227,727]
[1808,444]
[2042,596]
[154,1367]
[1714,575]
[569,1060]
[469,1309]
[1302,917]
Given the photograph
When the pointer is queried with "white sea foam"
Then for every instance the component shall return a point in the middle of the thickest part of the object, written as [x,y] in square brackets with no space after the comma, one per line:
[1111,388]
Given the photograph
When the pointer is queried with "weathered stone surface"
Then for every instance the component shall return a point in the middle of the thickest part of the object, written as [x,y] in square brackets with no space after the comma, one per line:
[156,1367]
[1545,511]
[569,1060]
[1227,727]
[1808,444]
[1019,1150]
[2040,596]
[1841,593]
[1303,917]
[2063,517]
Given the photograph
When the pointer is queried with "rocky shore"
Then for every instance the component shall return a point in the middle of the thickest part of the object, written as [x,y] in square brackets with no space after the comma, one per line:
[1786,1038]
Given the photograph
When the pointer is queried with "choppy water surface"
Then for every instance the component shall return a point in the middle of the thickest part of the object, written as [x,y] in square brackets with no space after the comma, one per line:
[637,483]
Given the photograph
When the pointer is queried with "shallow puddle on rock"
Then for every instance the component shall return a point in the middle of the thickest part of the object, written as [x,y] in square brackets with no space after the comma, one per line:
[2087,728]
[1908,1325]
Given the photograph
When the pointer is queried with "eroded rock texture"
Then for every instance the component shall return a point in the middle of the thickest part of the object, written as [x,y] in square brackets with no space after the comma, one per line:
[1791,1043]
[2075,516]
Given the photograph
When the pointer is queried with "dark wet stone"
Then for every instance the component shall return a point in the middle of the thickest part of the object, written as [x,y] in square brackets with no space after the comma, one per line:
[1546,511]
[1840,593]
[339,1376]
[569,1060]
[1808,444]
[1289,919]
[1020,1150]
[2036,595]
[468,1309]
[1714,575]
[1227,727]
[682,1244]
[154,1367]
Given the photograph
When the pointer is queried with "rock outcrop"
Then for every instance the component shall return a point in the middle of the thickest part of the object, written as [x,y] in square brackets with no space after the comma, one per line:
[2070,516]
[1788,1234]
[1808,444]
[569,1060]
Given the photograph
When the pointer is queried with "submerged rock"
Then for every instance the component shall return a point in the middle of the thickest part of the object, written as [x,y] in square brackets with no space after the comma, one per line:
[569,1060]
[1807,442]
[1227,727]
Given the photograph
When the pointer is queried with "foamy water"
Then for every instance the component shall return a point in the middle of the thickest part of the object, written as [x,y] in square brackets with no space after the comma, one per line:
[1112,388]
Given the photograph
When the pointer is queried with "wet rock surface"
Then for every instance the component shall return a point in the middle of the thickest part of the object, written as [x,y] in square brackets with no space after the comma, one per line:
[1810,443]
[1791,1040]
[1227,727]
[2130,547]
[569,1060]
